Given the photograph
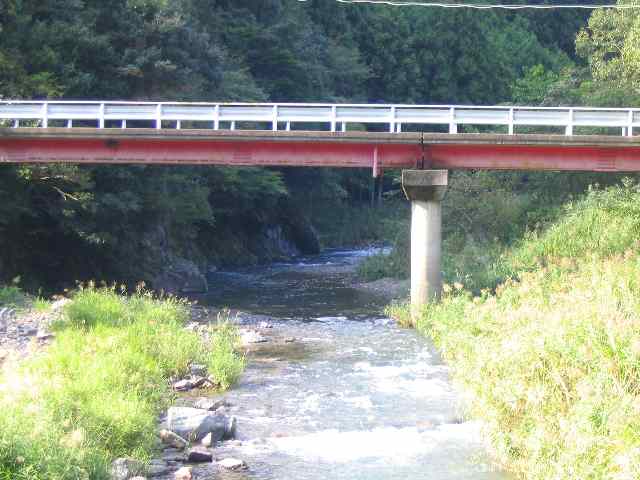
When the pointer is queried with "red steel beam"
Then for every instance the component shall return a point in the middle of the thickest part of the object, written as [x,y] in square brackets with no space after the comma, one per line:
[321,149]
[203,152]
[529,157]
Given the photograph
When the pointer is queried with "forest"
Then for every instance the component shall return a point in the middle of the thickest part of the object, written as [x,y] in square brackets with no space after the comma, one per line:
[60,224]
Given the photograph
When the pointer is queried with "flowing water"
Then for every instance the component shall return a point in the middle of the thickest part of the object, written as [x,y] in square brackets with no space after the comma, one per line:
[352,396]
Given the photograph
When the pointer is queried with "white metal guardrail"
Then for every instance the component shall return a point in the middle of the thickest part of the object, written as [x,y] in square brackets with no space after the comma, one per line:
[315,117]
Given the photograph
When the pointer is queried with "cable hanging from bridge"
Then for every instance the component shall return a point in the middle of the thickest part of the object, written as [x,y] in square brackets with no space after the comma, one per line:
[479,6]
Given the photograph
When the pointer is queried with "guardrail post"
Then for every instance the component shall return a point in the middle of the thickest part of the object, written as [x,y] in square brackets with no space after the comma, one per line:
[216,117]
[569,129]
[274,123]
[511,127]
[425,189]
[45,115]
[70,123]
[333,118]
[453,126]
[630,126]
[101,116]
[392,124]
[158,116]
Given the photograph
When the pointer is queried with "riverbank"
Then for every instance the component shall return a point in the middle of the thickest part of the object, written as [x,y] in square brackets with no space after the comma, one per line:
[550,359]
[95,393]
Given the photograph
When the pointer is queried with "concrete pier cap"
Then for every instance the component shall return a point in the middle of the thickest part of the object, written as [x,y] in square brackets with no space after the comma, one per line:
[426,190]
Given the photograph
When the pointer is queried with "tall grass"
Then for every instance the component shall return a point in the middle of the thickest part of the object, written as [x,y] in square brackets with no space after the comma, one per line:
[552,358]
[97,392]
[11,296]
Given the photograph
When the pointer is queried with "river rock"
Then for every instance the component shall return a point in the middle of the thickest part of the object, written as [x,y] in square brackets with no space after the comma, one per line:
[211,404]
[232,464]
[190,383]
[182,385]
[173,440]
[199,455]
[126,469]
[198,370]
[183,474]
[194,424]
[208,441]
[43,335]
[248,337]
[5,316]
[59,304]
[157,468]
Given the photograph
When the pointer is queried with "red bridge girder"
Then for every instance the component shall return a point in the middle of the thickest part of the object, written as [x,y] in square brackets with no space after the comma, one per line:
[321,149]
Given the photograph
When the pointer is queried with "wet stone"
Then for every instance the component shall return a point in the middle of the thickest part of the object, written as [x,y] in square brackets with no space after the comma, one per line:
[157,468]
[172,439]
[208,441]
[198,370]
[199,455]
[248,337]
[210,404]
[232,464]
[183,474]
[194,424]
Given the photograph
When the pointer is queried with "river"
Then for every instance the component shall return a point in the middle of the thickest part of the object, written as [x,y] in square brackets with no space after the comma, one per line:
[338,391]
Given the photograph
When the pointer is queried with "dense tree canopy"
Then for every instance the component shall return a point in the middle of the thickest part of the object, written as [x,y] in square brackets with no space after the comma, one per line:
[280,50]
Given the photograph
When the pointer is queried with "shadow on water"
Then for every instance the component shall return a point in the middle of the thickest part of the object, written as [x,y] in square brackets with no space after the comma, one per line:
[306,289]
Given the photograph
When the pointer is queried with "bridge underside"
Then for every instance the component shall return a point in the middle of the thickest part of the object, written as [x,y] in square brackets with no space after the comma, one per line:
[321,149]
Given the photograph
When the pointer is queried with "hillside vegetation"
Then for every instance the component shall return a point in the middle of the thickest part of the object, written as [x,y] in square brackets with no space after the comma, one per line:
[552,356]
[59,224]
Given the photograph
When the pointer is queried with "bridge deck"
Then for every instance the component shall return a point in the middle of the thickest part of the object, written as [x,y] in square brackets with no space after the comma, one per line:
[321,149]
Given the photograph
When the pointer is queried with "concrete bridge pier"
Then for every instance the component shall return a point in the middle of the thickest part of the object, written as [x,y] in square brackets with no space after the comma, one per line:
[425,189]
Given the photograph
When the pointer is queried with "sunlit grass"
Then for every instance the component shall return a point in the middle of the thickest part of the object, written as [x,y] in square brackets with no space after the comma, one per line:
[11,296]
[97,392]
[552,358]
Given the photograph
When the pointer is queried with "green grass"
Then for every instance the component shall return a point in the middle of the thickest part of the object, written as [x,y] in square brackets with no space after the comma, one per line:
[551,358]
[12,296]
[97,392]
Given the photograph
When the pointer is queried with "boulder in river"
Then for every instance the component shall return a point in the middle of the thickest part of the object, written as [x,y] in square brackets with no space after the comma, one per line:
[183,474]
[173,440]
[194,424]
[199,455]
[232,464]
[211,404]
[248,337]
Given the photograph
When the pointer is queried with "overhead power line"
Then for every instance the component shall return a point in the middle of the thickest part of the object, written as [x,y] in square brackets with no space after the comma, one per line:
[478,6]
